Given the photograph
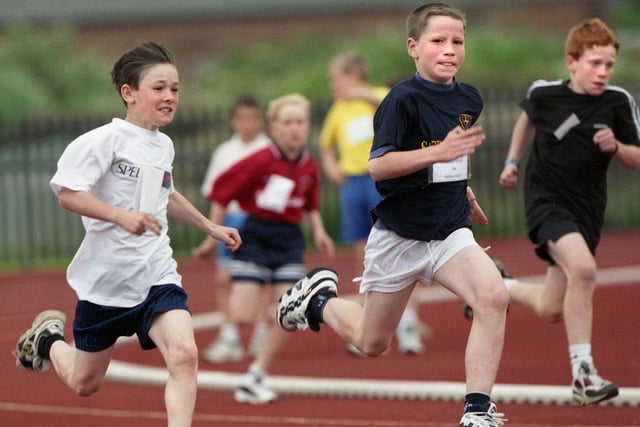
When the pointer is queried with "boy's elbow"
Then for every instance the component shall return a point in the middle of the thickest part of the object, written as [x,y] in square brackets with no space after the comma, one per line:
[374,170]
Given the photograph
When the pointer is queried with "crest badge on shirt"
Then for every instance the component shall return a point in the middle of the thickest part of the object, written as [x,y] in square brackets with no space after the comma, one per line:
[465,121]
[166,180]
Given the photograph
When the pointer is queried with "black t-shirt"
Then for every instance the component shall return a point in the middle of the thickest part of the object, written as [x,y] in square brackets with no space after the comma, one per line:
[416,114]
[566,172]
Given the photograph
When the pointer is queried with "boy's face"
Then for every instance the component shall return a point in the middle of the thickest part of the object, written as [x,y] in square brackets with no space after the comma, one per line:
[290,129]
[341,82]
[439,52]
[247,122]
[154,103]
[590,73]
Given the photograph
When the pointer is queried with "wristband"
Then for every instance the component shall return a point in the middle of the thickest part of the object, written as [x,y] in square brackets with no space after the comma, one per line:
[616,149]
[513,162]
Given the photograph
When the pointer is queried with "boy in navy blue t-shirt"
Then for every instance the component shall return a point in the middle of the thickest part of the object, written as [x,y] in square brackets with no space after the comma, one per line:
[422,231]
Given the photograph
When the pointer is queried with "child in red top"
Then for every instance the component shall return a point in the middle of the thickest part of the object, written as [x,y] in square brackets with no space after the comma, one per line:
[276,186]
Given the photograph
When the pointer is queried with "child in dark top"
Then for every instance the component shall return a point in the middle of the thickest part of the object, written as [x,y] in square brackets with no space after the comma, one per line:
[575,128]
[419,160]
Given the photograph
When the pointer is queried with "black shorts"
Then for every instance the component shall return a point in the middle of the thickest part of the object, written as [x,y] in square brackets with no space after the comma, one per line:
[552,228]
[97,327]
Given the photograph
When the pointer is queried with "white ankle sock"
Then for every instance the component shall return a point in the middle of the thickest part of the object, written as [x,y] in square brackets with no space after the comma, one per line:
[579,353]
[229,332]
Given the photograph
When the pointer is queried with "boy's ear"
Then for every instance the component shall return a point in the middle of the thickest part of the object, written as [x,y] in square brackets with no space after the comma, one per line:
[126,92]
[569,61]
[411,48]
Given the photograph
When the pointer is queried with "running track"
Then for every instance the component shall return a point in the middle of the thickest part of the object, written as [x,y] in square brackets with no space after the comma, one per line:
[338,389]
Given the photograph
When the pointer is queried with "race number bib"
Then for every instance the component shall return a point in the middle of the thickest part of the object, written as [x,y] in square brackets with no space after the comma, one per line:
[454,170]
[275,195]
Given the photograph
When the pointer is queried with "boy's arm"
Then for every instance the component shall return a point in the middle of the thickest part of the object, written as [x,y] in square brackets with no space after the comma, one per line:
[476,214]
[331,166]
[320,236]
[628,155]
[86,204]
[522,136]
[209,244]
[181,209]
[365,92]
[457,143]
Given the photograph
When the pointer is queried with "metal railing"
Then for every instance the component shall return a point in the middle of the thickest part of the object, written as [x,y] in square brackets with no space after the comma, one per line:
[34,230]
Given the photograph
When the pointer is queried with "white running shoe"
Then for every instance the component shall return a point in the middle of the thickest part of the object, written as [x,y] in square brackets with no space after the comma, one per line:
[252,390]
[491,418]
[589,388]
[292,306]
[45,324]
[223,351]
[409,339]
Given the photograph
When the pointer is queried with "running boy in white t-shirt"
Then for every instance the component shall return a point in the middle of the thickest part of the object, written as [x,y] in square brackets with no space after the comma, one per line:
[118,178]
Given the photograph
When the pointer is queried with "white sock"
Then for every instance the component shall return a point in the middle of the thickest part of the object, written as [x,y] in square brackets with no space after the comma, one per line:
[255,372]
[509,282]
[409,317]
[229,332]
[579,353]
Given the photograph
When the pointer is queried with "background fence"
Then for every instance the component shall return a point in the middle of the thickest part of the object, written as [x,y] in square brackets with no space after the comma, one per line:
[34,230]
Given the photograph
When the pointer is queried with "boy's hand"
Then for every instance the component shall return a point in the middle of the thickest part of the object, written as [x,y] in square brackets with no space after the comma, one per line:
[459,142]
[476,214]
[205,249]
[228,235]
[605,139]
[509,177]
[139,222]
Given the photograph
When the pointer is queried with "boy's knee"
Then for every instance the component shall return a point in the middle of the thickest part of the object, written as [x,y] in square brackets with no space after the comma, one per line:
[375,347]
[86,387]
[495,299]
[584,275]
[551,314]
[183,355]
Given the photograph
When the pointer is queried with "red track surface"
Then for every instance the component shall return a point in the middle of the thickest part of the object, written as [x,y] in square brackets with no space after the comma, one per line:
[535,353]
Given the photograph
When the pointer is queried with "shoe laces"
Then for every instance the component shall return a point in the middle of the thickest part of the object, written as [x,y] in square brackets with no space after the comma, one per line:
[491,418]
[588,376]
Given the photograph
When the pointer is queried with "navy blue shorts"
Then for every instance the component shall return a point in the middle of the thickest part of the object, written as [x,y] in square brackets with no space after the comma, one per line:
[97,327]
[271,252]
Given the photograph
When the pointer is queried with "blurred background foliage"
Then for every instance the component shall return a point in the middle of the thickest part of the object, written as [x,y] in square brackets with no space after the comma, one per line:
[42,74]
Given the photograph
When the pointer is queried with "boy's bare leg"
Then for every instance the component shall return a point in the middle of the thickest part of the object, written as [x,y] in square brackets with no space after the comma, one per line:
[579,266]
[568,289]
[472,275]
[277,337]
[369,327]
[172,332]
[82,371]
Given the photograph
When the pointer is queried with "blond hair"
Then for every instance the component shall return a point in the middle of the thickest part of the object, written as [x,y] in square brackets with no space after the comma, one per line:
[349,62]
[294,98]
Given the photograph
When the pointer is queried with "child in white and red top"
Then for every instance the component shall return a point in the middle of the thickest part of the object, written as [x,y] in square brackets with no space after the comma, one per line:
[277,186]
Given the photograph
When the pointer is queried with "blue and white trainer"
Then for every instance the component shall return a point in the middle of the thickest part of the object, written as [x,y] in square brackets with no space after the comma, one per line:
[491,418]
[292,306]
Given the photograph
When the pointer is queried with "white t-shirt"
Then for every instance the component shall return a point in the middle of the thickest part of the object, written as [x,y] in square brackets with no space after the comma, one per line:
[112,266]
[226,155]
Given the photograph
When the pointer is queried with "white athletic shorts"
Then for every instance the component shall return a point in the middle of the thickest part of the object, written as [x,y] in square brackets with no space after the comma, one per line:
[391,262]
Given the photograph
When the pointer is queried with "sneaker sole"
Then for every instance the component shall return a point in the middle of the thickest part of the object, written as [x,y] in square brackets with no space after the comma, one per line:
[243,395]
[313,289]
[37,323]
[611,391]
